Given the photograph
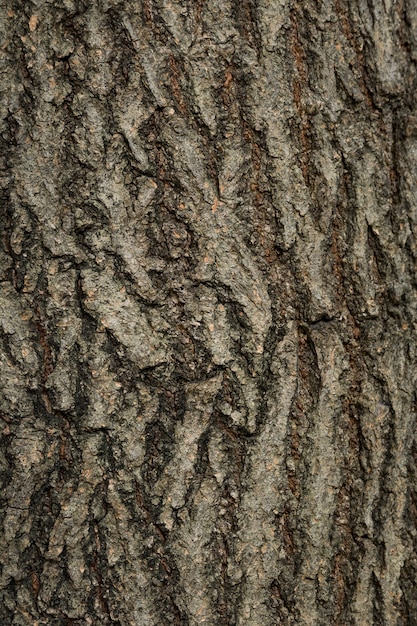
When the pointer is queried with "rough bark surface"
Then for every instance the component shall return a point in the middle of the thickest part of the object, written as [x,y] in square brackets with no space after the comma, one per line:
[208,312]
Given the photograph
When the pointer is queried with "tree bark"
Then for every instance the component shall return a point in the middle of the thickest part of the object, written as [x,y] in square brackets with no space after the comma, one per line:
[208,312]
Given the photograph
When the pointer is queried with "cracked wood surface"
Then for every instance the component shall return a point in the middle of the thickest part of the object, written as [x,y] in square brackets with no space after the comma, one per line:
[208,313]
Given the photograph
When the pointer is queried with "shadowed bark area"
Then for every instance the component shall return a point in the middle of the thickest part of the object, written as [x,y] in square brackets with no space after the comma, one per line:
[208,313]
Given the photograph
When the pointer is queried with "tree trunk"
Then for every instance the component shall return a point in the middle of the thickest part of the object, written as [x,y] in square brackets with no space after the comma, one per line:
[208,312]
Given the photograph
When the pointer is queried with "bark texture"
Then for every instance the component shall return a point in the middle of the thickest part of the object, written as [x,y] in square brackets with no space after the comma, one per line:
[208,312]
